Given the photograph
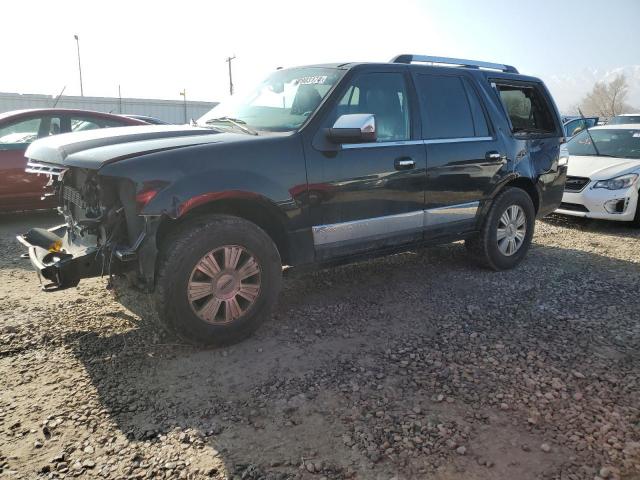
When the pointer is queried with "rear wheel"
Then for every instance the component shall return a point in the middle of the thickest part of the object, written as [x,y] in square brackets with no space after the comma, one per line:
[217,280]
[506,233]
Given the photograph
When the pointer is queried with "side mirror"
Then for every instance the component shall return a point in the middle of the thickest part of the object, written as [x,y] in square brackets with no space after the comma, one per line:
[353,128]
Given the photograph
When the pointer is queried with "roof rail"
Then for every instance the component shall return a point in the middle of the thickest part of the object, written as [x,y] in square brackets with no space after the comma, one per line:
[409,58]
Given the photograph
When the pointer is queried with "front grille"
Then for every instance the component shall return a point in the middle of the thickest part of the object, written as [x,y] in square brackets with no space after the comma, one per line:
[575,184]
[574,207]
[73,196]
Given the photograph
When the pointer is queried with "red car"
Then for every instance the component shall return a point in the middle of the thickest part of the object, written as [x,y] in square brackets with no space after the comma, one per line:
[18,189]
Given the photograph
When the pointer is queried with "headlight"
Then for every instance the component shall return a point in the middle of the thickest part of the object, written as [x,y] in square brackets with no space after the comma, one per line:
[618,183]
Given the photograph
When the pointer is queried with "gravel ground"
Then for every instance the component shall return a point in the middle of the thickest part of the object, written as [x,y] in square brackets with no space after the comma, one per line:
[417,365]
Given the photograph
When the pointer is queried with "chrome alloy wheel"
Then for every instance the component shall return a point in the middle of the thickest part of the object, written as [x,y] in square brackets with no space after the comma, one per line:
[224,284]
[512,230]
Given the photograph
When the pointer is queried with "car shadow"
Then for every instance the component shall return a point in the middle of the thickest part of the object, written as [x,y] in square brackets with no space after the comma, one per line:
[601,227]
[277,394]
[13,224]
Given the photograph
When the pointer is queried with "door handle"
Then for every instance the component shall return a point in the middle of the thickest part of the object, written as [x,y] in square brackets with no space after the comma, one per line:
[494,156]
[404,163]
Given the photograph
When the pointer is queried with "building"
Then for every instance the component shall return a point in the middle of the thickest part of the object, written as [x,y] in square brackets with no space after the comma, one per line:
[172,111]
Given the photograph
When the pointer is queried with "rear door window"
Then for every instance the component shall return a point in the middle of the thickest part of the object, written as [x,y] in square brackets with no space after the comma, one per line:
[528,110]
[80,123]
[480,124]
[450,108]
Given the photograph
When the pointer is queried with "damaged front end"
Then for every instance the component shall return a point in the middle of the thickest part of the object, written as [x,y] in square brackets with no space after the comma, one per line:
[102,235]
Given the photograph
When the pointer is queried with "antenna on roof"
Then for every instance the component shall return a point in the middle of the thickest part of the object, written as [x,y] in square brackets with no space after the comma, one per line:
[58,97]
[595,147]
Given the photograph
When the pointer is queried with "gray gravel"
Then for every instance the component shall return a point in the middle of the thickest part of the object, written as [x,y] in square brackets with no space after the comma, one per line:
[417,365]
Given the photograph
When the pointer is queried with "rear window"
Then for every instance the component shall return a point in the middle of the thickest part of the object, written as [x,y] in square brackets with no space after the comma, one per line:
[450,108]
[528,110]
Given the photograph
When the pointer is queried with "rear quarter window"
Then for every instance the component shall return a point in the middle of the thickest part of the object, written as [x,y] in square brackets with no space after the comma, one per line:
[528,109]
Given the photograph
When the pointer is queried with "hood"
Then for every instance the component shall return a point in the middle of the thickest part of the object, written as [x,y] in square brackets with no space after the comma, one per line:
[95,148]
[601,168]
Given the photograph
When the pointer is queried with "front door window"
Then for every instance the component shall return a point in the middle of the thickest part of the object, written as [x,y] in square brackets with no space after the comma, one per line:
[20,132]
[385,96]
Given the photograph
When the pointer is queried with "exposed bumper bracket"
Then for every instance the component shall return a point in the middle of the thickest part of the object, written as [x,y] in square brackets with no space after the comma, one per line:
[62,270]
[130,254]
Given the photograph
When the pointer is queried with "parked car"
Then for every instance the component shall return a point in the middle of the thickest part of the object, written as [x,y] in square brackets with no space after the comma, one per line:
[147,119]
[625,118]
[604,167]
[574,125]
[393,156]
[19,190]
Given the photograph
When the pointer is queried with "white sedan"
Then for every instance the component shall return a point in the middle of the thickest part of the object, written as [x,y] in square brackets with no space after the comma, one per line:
[603,178]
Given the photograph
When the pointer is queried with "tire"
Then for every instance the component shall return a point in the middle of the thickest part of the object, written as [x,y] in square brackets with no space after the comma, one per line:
[485,248]
[241,305]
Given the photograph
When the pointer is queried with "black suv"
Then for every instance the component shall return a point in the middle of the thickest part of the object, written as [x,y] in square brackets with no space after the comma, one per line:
[318,165]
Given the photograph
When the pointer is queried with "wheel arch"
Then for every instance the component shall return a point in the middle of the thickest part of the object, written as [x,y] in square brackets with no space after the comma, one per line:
[522,183]
[251,207]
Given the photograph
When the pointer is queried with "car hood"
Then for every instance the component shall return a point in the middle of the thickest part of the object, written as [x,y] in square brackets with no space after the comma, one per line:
[601,168]
[95,148]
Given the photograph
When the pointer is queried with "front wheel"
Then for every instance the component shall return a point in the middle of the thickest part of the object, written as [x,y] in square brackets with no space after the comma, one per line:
[506,233]
[217,280]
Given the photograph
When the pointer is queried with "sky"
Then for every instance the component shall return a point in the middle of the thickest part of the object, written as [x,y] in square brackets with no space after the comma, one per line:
[155,49]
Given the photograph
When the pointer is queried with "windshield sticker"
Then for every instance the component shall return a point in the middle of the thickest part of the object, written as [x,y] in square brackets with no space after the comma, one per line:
[636,134]
[314,80]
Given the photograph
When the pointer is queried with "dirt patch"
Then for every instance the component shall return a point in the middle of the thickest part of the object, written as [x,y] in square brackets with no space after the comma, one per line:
[417,365]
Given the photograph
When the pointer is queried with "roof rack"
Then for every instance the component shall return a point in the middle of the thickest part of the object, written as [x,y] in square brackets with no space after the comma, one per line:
[409,58]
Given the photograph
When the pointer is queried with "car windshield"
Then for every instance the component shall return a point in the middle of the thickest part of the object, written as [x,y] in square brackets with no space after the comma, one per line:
[622,119]
[621,143]
[281,103]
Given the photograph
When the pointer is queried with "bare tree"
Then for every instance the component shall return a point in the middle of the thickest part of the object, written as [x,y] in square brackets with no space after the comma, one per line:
[607,99]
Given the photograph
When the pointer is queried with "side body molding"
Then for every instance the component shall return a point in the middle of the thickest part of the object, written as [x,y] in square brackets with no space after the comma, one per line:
[370,229]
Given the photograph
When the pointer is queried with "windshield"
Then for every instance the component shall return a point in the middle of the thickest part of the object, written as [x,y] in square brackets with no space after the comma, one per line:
[281,103]
[622,143]
[624,119]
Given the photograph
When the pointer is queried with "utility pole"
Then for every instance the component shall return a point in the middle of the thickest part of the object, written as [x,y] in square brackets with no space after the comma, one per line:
[228,60]
[79,65]
[119,99]
[183,93]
